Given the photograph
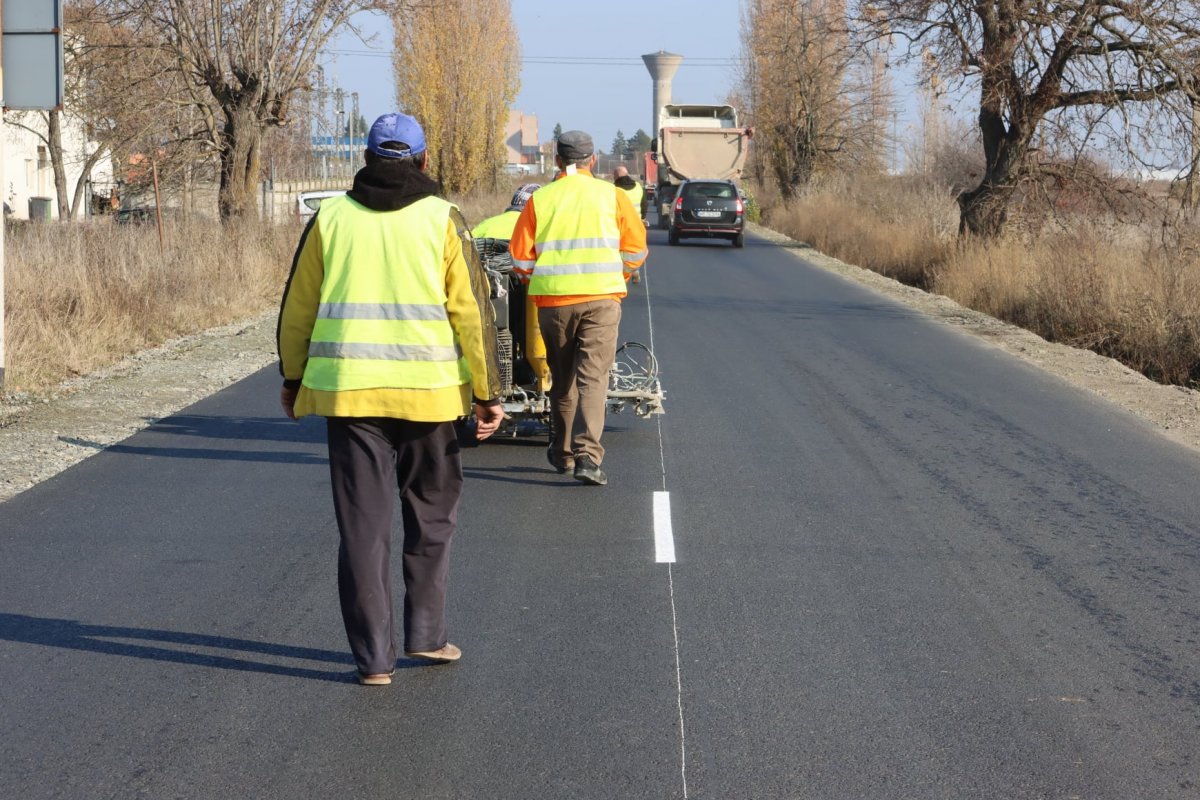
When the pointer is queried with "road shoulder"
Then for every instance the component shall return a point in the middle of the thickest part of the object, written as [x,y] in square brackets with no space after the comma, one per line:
[42,436]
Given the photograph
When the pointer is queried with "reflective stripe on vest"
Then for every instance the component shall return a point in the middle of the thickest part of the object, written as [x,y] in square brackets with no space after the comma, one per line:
[577,241]
[382,321]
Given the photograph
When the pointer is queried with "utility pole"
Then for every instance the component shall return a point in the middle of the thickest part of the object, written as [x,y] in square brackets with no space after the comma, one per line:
[339,103]
[355,130]
[1191,184]
[39,63]
[3,220]
[320,122]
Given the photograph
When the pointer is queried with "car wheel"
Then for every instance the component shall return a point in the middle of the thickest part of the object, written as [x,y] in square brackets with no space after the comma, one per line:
[739,240]
[672,237]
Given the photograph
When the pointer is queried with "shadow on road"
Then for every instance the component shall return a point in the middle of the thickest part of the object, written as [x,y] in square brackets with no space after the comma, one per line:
[262,429]
[113,640]
[264,456]
[232,429]
[502,474]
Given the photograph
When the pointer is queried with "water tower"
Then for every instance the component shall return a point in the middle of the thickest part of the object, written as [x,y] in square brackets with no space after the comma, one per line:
[662,66]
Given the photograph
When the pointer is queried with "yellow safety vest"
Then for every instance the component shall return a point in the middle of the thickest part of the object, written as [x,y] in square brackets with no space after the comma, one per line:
[635,195]
[577,242]
[497,227]
[382,321]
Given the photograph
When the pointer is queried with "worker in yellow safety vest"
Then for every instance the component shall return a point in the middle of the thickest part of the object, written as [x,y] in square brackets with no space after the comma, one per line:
[501,226]
[637,196]
[386,329]
[576,242]
[626,183]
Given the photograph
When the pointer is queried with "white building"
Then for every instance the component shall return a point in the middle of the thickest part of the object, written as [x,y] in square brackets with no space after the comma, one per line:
[27,172]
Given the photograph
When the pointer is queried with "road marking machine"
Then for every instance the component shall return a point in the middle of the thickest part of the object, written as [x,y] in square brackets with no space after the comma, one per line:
[633,380]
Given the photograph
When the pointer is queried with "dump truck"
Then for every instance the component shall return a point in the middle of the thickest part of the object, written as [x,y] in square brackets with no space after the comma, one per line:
[696,141]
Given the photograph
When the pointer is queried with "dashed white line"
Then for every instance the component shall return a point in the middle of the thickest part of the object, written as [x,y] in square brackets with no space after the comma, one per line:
[664,552]
[664,537]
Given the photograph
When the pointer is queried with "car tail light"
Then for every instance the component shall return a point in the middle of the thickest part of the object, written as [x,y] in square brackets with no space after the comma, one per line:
[740,208]
[679,203]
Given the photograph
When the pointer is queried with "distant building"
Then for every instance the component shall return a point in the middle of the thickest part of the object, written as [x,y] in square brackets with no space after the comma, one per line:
[28,176]
[523,155]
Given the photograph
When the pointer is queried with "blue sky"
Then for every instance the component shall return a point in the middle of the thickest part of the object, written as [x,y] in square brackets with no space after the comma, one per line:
[598,98]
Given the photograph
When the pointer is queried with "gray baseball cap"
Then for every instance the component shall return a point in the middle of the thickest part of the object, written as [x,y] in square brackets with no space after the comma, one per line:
[575,145]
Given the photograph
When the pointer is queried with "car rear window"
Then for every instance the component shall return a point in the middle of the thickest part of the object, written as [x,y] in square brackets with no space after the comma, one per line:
[718,191]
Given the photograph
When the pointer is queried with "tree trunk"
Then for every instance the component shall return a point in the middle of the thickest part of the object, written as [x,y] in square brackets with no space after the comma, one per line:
[795,163]
[983,211]
[1191,185]
[241,140]
[57,162]
[84,177]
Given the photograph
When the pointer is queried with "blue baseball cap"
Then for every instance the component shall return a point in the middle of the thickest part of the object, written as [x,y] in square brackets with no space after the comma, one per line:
[396,128]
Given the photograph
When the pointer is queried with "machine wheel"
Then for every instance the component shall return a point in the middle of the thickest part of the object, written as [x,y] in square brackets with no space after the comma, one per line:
[739,240]
[672,237]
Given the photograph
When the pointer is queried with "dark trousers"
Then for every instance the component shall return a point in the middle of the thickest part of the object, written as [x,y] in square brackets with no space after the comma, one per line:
[581,342]
[369,460]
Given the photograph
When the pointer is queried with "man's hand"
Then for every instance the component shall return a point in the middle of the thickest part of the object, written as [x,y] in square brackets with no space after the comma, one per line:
[287,399]
[488,419]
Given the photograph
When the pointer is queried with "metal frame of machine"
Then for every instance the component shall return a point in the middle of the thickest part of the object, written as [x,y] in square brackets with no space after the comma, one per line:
[525,378]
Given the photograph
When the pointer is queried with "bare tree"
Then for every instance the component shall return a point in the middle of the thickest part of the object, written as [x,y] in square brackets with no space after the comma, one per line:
[241,63]
[1088,62]
[809,111]
[105,98]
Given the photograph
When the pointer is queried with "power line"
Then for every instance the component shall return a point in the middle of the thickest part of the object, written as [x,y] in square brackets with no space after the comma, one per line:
[591,61]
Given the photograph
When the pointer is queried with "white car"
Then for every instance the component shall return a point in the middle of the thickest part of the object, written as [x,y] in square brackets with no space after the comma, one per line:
[307,203]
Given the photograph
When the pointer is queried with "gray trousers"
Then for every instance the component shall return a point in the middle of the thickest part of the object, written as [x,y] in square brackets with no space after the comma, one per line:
[370,462]
[581,342]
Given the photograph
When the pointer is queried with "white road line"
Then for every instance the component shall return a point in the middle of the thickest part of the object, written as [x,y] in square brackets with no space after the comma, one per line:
[664,552]
[664,537]
[678,685]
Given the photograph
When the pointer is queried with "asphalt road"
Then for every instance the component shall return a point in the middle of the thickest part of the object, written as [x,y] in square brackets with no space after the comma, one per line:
[908,566]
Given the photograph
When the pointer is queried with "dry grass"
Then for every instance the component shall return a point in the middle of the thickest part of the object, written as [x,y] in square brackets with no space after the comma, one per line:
[81,296]
[896,228]
[1093,283]
[481,205]
[1093,289]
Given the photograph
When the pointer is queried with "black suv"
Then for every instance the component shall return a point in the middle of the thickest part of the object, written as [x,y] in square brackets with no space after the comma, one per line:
[711,208]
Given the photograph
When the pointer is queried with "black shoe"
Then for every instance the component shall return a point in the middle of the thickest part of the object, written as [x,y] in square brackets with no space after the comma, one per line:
[559,467]
[588,471]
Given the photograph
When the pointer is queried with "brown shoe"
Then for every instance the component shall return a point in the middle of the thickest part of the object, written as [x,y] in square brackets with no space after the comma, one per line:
[375,678]
[443,655]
